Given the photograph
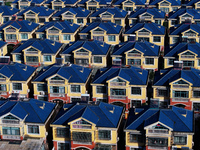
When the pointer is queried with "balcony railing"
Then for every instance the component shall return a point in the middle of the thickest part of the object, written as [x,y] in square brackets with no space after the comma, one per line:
[106,16]
[80,142]
[81,126]
[82,53]
[57,95]
[187,56]
[98,32]
[11,40]
[117,83]
[92,3]
[158,131]
[23,3]
[143,33]
[53,31]
[57,3]
[180,86]
[155,147]
[180,99]
[11,137]
[32,63]
[118,97]
[31,52]
[2,80]
[190,34]
[57,82]
[146,17]
[128,4]
[8,121]
[68,16]
[134,54]
[30,15]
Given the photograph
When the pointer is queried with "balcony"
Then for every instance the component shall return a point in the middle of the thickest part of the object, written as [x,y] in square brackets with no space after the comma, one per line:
[57,82]
[11,40]
[31,52]
[23,3]
[2,79]
[117,83]
[180,99]
[57,95]
[98,32]
[8,121]
[32,63]
[187,56]
[159,148]
[53,31]
[11,137]
[57,3]
[157,131]
[118,97]
[180,86]
[82,53]
[190,34]
[78,126]
[134,54]
[143,33]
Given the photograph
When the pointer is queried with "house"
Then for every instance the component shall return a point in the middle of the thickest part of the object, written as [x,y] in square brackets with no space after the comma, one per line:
[155,128]
[150,32]
[183,15]
[86,53]
[22,4]
[109,32]
[6,13]
[59,31]
[140,54]
[3,48]
[114,15]
[121,86]
[177,86]
[193,4]
[188,53]
[75,15]
[129,5]
[85,126]
[147,15]
[25,123]
[165,5]
[16,78]
[15,31]
[36,52]
[62,83]
[37,14]
[184,33]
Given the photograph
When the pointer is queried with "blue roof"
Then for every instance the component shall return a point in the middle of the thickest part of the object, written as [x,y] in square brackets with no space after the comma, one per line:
[78,11]
[33,111]
[110,28]
[177,30]
[101,2]
[8,11]
[23,26]
[147,48]
[73,73]
[166,76]
[65,26]
[96,47]
[32,1]
[102,114]
[192,12]
[40,10]
[152,27]
[191,3]
[46,46]
[137,2]
[173,2]
[17,72]
[156,13]
[172,118]
[136,76]
[118,13]
[66,2]
[2,43]
[181,47]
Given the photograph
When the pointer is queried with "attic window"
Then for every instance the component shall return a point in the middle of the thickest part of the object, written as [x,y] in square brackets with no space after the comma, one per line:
[82,124]
[10,120]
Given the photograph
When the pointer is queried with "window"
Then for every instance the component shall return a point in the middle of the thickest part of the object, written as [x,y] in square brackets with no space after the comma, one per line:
[158,22]
[157,141]
[101,89]
[97,59]
[104,134]
[166,10]
[53,37]
[63,146]
[11,37]
[118,92]
[33,129]
[67,58]
[17,86]
[92,8]
[47,58]
[134,21]
[41,20]
[111,38]
[79,20]
[136,103]
[175,40]
[118,22]
[156,39]
[42,98]
[134,62]
[41,87]
[170,61]
[2,87]
[196,106]
[199,62]
[174,8]
[196,94]
[67,37]
[18,57]
[143,39]
[128,8]
[136,138]
[136,90]
[75,88]
[182,140]
[57,89]
[5,19]
[62,132]
[82,137]
[149,61]
[11,131]
[188,63]
[31,58]
[42,36]
[180,94]
[162,93]
[173,22]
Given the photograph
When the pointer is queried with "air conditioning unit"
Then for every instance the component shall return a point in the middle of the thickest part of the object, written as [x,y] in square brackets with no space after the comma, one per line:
[42,93]
[28,90]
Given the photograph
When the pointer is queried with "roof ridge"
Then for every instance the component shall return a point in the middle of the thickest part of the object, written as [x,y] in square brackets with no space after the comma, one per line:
[165,75]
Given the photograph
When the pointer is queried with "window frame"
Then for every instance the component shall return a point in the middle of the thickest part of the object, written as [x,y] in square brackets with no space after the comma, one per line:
[17,89]
[148,61]
[38,128]
[75,87]
[137,89]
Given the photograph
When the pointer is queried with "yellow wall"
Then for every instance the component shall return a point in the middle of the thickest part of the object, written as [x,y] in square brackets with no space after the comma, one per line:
[42,131]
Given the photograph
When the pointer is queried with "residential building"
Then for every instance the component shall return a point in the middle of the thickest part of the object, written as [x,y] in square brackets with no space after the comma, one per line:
[121,86]
[109,32]
[188,53]
[26,122]
[59,4]
[147,15]
[86,53]
[184,33]
[114,15]
[22,4]
[62,83]
[36,52]
[177,86]
[150,32]
[183,15]
[6,13]
[86,126]
[140,54]
[75,15]
[37,14]
[59,31]
[3,48]
[193,4]
[16,31]
[165,5]
[129,5]
[163,129]
[15,78]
